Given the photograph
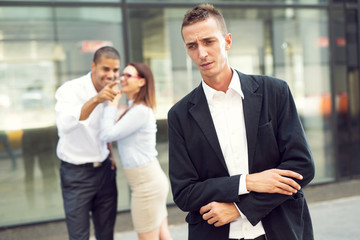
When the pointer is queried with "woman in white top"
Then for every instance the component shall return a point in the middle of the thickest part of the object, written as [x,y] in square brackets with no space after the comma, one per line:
[135,134]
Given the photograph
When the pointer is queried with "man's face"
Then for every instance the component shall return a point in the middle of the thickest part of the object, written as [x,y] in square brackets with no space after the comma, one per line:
[104,72]
[207,47]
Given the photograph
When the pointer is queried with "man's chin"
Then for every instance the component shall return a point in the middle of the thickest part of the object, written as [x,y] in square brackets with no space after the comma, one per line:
[206,72]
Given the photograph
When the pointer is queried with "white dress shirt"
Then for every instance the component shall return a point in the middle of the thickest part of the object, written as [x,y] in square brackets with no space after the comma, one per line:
[134,133]
[228,116]
[79,141]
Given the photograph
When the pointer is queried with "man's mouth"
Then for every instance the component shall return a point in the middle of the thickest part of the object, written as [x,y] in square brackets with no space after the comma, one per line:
[108,81]
[206,65]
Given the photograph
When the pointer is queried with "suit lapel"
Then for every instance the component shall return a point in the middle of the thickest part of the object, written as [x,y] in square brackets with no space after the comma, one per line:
[201,113]
[252,107]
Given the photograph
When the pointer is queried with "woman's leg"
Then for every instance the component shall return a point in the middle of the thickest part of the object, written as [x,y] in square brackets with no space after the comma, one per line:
[160,233]
[152,235]
[164,230]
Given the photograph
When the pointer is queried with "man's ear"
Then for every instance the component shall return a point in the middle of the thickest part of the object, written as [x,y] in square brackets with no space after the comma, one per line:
[228,41]
[92,66]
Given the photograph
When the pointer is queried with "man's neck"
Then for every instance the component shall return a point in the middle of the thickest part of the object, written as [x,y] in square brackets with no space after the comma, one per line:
[221,82]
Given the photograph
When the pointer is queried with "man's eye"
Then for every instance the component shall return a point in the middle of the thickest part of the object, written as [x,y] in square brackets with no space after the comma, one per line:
[191,47]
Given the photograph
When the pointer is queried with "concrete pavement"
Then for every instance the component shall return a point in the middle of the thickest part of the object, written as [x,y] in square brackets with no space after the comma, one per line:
[336,219]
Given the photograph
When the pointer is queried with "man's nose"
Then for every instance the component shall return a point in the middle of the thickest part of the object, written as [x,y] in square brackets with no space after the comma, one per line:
[202,52]
[111,75]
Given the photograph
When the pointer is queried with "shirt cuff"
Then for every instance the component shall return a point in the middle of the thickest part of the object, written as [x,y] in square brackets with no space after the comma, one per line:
[242,190]
[242,185]
[241,214]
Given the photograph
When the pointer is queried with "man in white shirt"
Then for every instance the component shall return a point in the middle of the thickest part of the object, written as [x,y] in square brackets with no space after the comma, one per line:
[88,175]
[238,156]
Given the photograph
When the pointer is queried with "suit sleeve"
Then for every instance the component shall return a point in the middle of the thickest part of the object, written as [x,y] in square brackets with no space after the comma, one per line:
[190,191]
[293,153]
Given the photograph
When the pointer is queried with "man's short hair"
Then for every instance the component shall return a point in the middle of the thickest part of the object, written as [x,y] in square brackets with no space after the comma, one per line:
[107,52]
[202,12]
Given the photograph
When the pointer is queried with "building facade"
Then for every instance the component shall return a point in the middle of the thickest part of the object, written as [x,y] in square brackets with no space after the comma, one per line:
[314,45]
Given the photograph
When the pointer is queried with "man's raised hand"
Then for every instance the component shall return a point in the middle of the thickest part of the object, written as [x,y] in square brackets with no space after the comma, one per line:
[109,92]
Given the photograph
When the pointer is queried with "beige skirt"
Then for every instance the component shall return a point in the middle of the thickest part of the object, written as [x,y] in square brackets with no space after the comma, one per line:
[149,189]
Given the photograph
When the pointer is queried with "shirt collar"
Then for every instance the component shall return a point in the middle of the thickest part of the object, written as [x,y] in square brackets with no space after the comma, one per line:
[130,102]
[234,85]
[91,89]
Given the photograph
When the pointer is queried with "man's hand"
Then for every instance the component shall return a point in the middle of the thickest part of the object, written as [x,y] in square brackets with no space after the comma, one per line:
[273,181]
[111,156]
[219,213]
[109,92]
[113,164]
[117,98]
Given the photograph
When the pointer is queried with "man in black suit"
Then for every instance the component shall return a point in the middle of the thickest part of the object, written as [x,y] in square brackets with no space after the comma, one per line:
[238,156]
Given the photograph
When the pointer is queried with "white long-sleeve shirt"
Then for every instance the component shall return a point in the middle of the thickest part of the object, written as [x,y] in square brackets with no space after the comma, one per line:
[134,133]
[79,141]
[228,116]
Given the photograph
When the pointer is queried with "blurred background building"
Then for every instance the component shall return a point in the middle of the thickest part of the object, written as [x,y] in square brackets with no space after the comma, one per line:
[314,45]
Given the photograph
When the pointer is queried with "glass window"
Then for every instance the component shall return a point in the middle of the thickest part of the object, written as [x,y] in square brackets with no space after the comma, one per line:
[153,38]
[26,92]
[301,57]
[150,37]
[346,88]
[41,48]
[26,42]
[293,45]
[80,31]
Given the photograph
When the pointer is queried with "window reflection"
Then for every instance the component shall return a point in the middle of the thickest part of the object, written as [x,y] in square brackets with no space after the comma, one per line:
[40,48]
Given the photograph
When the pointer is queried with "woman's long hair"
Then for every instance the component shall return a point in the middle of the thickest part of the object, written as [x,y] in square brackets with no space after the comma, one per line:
[146,93]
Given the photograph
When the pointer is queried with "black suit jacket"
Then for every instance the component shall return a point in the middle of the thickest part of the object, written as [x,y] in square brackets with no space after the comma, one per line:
[275,138]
